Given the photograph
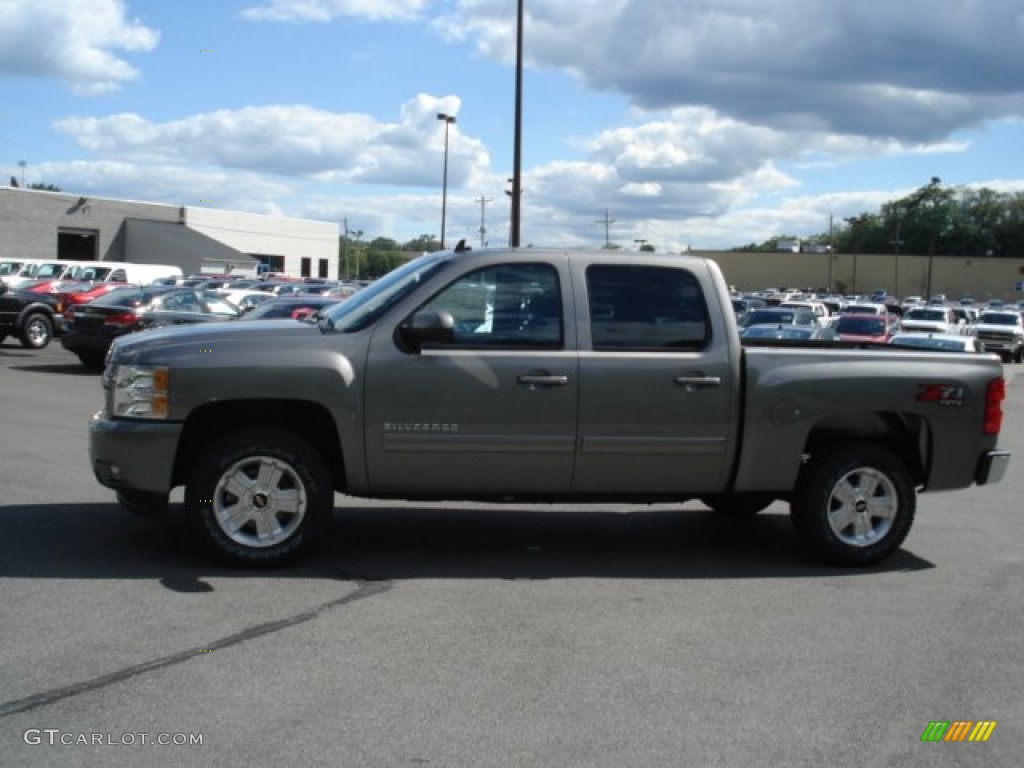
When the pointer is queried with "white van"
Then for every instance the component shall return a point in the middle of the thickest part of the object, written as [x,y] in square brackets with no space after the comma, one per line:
[39,269]
[9,268]
[122,272]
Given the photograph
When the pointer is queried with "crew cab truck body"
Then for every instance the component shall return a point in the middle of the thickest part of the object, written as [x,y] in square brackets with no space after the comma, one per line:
[537,375]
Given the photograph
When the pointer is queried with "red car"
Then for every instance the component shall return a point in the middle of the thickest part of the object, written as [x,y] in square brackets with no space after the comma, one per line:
[857,327]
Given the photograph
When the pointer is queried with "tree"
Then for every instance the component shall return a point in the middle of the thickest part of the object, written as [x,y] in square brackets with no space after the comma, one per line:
[423,243]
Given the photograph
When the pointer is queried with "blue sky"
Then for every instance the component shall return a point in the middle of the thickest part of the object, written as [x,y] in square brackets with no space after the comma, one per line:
[702,123]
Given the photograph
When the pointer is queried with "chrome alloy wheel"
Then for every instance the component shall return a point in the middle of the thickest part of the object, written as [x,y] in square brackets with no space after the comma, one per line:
[862,507]
[259,501]
[37,332]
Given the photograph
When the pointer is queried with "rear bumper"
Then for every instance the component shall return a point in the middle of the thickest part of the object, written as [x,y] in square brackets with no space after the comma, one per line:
[992,467]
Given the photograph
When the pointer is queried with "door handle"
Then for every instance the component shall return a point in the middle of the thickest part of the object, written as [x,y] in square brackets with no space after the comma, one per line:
[693,383]
[538,380]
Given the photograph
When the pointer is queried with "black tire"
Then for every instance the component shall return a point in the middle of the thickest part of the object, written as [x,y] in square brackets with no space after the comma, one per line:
[92,360]
[854,504]
[142,503]
[291,503]
[1019,355]
[36,331]
[737,504]
[3,337]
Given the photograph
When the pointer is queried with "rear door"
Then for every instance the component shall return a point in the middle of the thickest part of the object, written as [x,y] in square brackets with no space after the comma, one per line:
[658,385]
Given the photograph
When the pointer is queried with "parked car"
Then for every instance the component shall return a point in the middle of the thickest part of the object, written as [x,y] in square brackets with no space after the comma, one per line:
[1001,332]
[876,328]
[865,308]
[29,316]
[297,307]
[779,316]
[945,342]
[817,308]
[91,328]
[791,332]
[930,319]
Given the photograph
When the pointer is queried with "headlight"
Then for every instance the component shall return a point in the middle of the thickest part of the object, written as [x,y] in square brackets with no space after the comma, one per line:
[138,391]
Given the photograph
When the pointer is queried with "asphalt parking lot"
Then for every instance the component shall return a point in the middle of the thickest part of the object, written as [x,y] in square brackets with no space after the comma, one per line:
[462,635]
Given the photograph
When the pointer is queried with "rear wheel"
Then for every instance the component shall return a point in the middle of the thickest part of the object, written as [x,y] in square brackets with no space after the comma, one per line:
[854,504]
[37,331]
[257,496]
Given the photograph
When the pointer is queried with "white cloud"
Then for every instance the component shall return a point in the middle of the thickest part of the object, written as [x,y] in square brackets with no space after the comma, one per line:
[71,40]
[296,140]
[327,10]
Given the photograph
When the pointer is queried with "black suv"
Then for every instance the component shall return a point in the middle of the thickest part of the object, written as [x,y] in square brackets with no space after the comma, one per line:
[32,317]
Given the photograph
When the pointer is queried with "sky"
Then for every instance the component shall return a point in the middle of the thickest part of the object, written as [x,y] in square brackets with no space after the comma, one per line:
[703,124]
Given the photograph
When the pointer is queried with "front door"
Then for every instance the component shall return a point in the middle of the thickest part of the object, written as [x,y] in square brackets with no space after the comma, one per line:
[493,411]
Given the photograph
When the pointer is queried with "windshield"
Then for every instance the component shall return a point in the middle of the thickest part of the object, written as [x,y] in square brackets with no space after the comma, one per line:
[936,315]
[365,306]
[863,326]
[998,318]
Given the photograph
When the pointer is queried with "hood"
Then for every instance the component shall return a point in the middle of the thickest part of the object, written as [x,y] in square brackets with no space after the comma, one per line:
[258,337]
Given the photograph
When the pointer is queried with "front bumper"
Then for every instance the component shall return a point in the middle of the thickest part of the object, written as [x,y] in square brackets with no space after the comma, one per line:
[132,454]
[992,467]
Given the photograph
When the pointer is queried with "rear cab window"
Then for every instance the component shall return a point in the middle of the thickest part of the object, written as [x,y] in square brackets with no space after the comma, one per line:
[646,308]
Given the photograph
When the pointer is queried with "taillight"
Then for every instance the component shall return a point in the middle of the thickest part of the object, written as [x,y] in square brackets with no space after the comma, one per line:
[995,393]
[121,318]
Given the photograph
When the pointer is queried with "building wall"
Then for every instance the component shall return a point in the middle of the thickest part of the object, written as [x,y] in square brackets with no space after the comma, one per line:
[902,275]
[294,239]
[30,221]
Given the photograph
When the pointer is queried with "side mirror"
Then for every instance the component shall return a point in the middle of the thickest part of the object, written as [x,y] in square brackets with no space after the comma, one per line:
[427,327]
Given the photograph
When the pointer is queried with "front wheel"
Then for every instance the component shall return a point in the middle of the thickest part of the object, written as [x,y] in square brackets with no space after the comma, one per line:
[257,496]
[36,332]
[854,504]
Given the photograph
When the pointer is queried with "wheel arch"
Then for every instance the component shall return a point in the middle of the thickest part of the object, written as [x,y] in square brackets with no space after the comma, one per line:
[309,420]
[907,436]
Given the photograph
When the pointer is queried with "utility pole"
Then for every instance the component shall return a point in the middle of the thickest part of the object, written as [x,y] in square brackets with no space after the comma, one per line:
[607,221]
[483,227]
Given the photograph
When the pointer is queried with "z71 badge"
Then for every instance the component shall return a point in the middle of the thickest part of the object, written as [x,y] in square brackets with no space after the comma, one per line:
[941,394]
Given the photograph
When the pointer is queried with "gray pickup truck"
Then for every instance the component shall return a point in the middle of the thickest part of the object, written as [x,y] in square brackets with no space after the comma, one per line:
[537,375]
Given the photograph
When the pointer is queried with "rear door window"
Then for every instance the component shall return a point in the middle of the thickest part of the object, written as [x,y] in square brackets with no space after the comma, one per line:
[645,308]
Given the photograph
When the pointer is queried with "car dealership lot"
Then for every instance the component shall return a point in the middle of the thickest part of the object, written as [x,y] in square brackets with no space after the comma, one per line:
[469,635]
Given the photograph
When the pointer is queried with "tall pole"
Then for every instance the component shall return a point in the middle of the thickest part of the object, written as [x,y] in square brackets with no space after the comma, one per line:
[517,160]
[448,120]
[483,227]
[607,221]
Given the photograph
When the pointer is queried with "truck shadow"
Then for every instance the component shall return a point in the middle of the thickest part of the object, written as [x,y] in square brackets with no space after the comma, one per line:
[387,543]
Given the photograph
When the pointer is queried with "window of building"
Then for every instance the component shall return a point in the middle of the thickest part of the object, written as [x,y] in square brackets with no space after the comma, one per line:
[305,270]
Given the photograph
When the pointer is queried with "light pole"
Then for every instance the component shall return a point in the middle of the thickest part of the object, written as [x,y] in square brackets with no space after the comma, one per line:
[448,120]
[517,154]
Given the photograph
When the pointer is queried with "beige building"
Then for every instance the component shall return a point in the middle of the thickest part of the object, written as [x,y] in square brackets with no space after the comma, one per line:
[40,224]
[900,275]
